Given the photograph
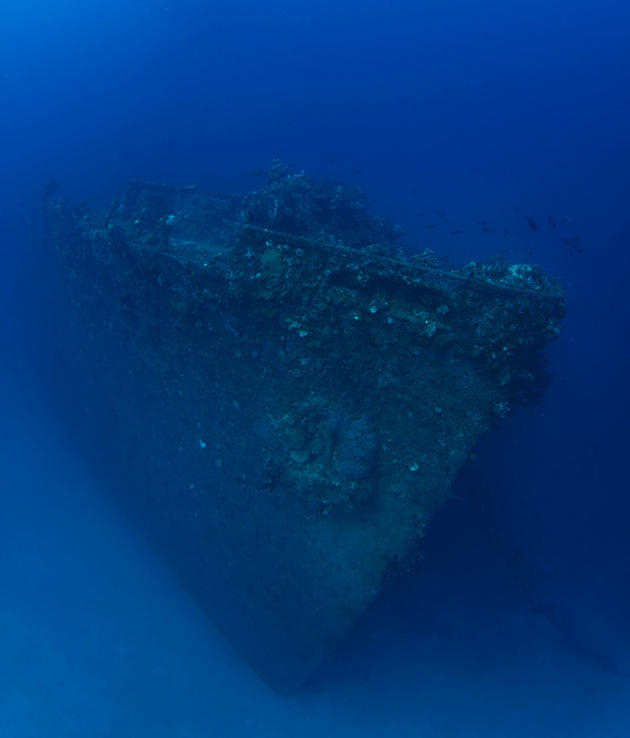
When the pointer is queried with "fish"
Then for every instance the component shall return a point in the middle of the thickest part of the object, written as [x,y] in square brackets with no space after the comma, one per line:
[430,225]
[574,242]
[531,223]
[552,221]
[257,172]
[482,222]
[440,213]
[485,229]
[456,232]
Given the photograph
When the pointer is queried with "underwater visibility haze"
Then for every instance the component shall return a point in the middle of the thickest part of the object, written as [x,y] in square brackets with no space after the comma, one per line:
[314,369]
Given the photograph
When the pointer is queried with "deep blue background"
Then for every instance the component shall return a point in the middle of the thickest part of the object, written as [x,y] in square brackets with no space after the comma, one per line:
[479,109]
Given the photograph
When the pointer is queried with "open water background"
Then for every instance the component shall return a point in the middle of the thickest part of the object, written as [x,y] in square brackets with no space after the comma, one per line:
[518,622]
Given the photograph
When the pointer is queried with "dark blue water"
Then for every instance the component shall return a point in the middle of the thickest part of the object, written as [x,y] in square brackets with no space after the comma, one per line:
[518,621]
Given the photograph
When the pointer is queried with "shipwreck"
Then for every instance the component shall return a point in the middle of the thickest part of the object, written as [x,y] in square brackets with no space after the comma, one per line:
[287,393]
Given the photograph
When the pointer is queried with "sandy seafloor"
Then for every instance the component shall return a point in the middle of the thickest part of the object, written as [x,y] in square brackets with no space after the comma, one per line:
[98,639]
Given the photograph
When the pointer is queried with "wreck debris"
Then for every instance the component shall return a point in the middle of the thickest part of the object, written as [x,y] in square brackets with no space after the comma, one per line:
[292,397]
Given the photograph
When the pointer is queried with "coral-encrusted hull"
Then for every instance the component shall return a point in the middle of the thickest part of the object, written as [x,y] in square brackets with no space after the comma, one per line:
[287,409]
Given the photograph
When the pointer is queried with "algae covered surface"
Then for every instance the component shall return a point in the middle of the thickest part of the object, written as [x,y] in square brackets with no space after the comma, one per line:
[289,391]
